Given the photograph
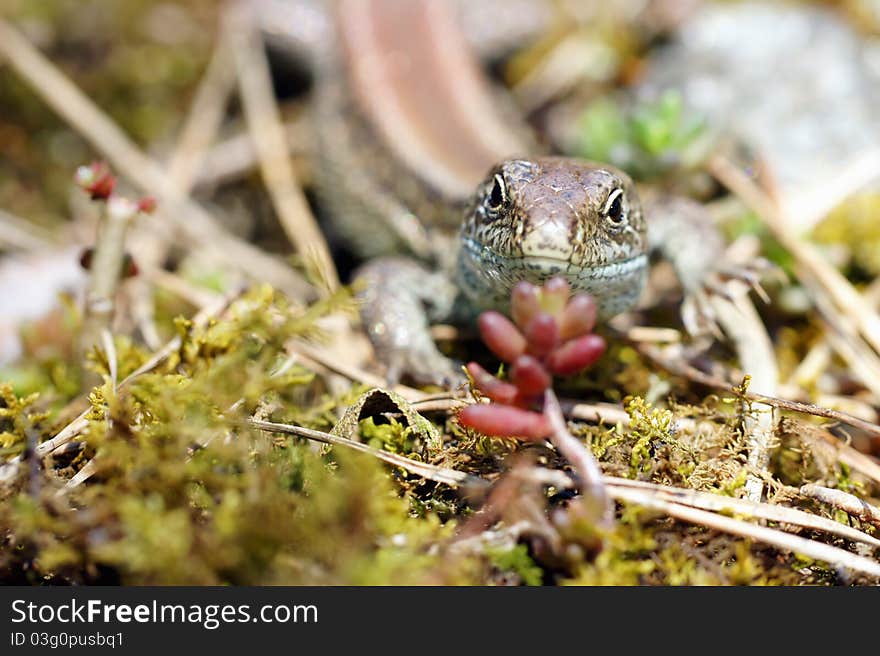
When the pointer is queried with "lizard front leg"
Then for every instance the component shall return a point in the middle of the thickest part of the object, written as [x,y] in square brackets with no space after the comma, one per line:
[685,235]
[399,299]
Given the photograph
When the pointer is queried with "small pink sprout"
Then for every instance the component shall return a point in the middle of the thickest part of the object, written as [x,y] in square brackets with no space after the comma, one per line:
[147,205]
[549,335]
[96,179]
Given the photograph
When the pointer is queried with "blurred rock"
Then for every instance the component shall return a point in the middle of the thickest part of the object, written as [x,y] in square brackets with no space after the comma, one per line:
[794,82]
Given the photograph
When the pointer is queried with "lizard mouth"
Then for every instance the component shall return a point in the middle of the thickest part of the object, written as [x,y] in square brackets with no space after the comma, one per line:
[540,267]
[550,266]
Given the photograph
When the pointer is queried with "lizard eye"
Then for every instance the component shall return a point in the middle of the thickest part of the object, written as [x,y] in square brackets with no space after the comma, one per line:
[614,208]
[498,195]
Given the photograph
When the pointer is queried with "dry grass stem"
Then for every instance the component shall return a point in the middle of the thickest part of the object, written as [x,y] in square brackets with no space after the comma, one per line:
[86,472]
[595,413]
[198,133]
[18,234]
[780,540]
[679,367]
[746,331]
[235,157]
[852,458]
[811,266]
[842,335]
[582,460]
[686,505]
[112,359]
[270,140]
[199,228]
[200,297]
[812,203]
[327,362]
[849,503]
[792,517]
[819,356]
[204,119]
[442,475]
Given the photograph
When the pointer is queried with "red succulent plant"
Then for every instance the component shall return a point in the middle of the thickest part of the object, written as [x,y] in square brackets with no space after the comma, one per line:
[550,334]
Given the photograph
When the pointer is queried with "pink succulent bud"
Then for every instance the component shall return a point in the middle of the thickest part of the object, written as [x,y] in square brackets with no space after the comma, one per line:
[576,355]
[505,421]
[501,336]
[542,334]
[578,318]
[554,296]
[525,303]
[529,376]
[147,205]
[495,389]
[96,179]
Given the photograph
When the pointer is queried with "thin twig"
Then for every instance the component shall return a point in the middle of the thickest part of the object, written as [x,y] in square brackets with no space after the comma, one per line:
[784,541]
[646,494]
[811,266]
[198,296]
[746,331]
[561,480]
[812,203]
[443,475]
[605,413]
[688,505]
[328,362]
[819,355]
[198,133]
[235,157]
[86,472]
[204,119]
[192,220]
[842,335]
[681,368]
[267,131]
[746,508]
[18,234]
[849,503]
[596,413]
[585,464]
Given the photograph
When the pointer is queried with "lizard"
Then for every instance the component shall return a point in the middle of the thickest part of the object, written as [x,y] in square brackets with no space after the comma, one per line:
[430,175]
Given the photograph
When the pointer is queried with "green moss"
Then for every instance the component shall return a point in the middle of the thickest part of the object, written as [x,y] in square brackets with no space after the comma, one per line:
[648,425]
[518,562]
[186,493]
[393,436]
[17,416]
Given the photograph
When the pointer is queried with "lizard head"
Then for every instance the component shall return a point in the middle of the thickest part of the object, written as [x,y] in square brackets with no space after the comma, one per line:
[538,218]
